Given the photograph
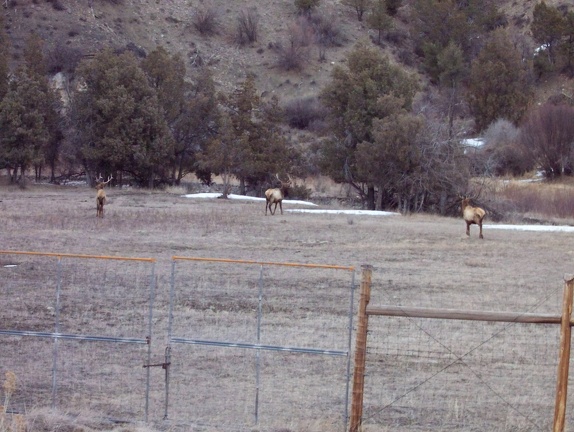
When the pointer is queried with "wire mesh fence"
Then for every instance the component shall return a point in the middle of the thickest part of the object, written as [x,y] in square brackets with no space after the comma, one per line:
[75,331]
[430,374]
[259,344]
[464,370]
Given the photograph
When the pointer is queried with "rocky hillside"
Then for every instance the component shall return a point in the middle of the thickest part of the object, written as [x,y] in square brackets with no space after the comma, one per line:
[84,26]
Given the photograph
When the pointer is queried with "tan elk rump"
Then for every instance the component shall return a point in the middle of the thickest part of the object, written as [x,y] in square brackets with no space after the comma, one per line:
[472,215]
[276,196]
[101,195]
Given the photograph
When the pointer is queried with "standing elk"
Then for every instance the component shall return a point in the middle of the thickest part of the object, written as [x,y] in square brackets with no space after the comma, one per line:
[472,215]
[276,195]
[101,195]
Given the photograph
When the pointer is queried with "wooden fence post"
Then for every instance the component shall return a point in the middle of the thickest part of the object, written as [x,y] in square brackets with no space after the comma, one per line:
[563,366]
[360,350]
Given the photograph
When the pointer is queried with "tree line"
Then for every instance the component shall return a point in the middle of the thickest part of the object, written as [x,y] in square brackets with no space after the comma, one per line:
[392,135]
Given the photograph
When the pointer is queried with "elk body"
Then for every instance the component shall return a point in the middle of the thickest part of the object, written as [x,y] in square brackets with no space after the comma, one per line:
[101,196]
[472,215]
[275,196]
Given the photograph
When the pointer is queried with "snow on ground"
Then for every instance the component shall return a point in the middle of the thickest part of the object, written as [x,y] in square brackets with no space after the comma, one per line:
[560,228]
[543,228]
[243,197]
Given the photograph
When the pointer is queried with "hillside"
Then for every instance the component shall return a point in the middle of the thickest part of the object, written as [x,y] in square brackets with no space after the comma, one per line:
[76,27]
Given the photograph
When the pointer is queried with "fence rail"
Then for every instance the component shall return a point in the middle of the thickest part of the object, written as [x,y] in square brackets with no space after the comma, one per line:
[78,328]
[79,310]
[565,320]
[263,302]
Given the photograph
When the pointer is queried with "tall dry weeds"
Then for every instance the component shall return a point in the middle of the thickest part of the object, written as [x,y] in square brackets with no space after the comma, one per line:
[10,422]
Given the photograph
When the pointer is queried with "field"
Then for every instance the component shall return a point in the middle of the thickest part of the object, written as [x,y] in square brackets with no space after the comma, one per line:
[421,375]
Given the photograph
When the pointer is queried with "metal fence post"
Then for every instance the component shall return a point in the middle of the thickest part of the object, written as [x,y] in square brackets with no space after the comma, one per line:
[56,331]
[258,352]
[360,350]
[152,285]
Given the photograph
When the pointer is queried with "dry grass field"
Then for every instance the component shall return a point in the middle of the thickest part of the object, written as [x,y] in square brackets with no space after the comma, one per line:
[421,374]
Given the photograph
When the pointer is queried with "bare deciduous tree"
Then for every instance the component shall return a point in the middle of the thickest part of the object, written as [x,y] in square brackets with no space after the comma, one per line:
[548,137]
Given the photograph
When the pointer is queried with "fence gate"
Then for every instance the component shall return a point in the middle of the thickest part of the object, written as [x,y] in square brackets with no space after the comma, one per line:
[78,342]
[503,374]
[259,343]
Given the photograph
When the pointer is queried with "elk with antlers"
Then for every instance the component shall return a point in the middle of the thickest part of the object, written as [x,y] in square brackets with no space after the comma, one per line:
[276,195]
[472,215]
[101,195]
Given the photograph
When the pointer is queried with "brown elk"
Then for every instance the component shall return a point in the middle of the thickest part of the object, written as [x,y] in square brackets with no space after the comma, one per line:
[472,215]
[276,195]
[101,195]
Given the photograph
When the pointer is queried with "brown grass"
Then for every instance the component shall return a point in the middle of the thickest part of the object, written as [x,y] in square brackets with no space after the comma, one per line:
[501,377]
[552,202]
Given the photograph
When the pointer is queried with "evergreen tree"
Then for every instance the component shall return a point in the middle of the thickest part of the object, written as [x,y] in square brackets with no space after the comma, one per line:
[4,58]
[35,65]
[356,96]
[499,83]
[567,47]
[263,148]
[195,127]
[378,18]
[450,62]
[547,28]
[23,127]
[360,6]
[118,120]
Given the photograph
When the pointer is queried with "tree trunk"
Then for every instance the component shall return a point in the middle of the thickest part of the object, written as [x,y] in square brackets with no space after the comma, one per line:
[371,197]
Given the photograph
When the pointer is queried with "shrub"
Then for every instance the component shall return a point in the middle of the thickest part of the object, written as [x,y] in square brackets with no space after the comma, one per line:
[57,5]
[247,26]
[63,59]
[327,29]
[306,6]
[504,155]
[205,20]
[294,54]
[299,192]
[301,113]
[547,135]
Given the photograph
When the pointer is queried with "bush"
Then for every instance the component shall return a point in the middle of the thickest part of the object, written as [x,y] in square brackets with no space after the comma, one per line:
[205,20]
[547,136]
[63,59]
[306,6]
[57,5]
[504,156]
[299,192]
[294,54]
[301,113]
[247,26]
[327,29]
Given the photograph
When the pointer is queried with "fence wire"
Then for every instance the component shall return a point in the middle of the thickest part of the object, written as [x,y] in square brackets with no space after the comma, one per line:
[259,344]
[431,374]
[78,339]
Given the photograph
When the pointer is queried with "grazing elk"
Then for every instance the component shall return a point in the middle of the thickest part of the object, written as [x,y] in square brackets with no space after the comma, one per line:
[472,215]
[101,195]
[276,195]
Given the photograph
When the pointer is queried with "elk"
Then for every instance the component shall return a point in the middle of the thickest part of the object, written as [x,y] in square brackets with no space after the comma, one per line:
[101,195]
[276,195]
[472,215]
